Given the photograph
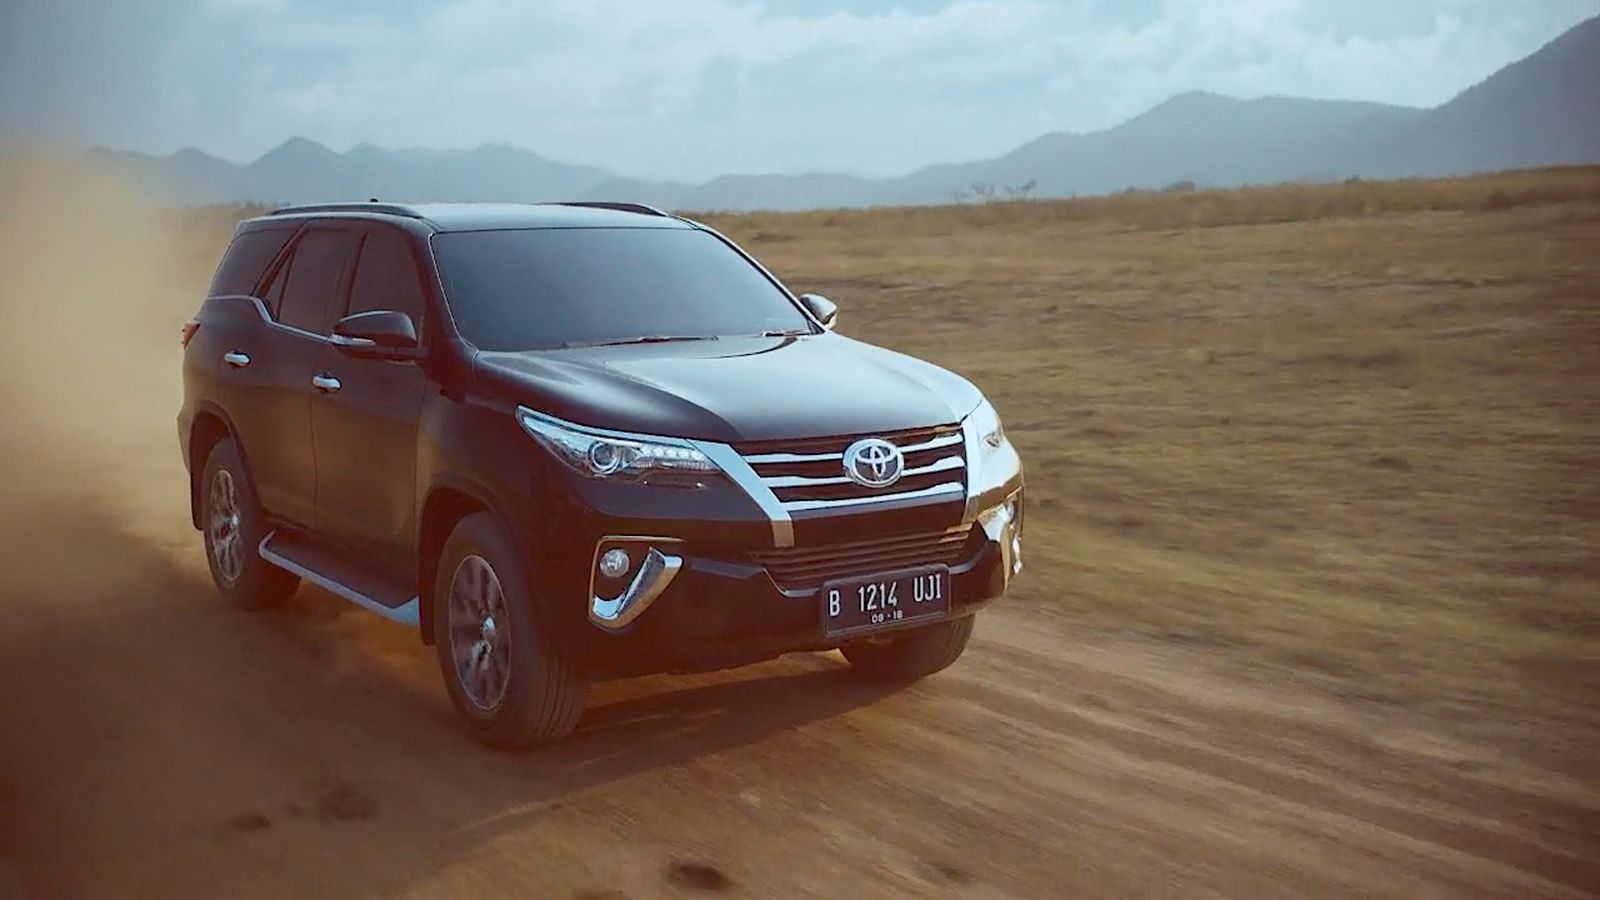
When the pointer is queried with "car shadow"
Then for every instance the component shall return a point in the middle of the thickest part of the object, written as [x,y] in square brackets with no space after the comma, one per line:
[670,727]
[632,727]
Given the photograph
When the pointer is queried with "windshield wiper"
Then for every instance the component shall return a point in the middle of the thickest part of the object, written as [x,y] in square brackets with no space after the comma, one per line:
[641,339]
[785,332]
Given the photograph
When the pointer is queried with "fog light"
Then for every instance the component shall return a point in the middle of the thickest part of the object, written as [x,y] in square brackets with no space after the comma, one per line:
[614,563]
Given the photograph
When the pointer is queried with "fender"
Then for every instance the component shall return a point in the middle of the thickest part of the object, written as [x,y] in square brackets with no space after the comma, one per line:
[209,408]
[427,558]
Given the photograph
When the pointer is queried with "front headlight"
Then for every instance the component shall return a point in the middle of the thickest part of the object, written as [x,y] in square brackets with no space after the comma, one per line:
[985,423]
[599,455]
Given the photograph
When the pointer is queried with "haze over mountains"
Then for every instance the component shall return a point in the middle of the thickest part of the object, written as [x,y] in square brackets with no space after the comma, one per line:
[1543,110]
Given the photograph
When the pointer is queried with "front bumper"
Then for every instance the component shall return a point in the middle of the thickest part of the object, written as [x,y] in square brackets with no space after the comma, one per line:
[728,572]
[718,608]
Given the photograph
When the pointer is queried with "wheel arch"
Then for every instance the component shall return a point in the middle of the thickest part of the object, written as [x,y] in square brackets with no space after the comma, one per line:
[447,503]
[211,427]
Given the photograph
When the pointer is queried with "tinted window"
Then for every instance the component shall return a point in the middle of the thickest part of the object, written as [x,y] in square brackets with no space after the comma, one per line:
[542,289]
[272,293]
[386,277]
[247,258]
[314,275]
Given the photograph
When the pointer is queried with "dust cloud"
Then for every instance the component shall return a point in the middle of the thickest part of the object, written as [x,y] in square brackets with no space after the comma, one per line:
[94,534]
[94,287]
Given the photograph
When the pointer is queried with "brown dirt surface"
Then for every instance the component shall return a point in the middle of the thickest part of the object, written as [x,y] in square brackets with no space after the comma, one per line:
[1312,604]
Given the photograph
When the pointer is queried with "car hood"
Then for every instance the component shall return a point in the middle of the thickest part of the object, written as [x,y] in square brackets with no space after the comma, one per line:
[734,389]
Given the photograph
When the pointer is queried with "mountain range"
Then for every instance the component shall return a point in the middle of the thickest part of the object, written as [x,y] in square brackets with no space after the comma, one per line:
[1540,111]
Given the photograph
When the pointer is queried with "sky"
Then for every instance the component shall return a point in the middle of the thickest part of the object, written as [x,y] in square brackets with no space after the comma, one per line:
[689,89]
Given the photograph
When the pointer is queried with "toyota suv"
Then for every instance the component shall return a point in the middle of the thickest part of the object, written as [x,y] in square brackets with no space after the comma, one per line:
[578,441]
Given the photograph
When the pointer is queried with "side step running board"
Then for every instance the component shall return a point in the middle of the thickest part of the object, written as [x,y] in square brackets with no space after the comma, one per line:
[324,568]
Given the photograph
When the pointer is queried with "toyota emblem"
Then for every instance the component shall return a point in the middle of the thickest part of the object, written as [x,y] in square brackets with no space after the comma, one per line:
[874,463]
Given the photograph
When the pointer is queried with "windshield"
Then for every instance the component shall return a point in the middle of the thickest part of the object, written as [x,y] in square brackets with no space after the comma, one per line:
[541,289]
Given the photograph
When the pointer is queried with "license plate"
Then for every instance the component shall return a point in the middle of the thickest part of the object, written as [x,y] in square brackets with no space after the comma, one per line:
[881,602]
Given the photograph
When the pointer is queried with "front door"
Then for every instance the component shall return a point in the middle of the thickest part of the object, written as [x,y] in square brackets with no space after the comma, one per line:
[364,414]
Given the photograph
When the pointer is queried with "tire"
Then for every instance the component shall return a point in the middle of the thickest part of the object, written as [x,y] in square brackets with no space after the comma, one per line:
[232,525]
[529,694]
[912,655]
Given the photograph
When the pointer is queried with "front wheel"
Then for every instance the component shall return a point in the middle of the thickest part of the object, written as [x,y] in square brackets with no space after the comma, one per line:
[910,655]
[512,687]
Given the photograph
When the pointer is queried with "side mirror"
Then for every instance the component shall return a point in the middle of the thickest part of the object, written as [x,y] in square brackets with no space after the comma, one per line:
[381,334]
[825,311]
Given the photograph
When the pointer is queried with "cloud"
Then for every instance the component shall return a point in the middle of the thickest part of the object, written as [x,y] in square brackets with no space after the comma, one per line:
[238,6]
[692,88]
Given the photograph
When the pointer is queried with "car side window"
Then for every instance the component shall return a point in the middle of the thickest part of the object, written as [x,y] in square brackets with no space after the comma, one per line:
[387,277]
[312,279]
[272,291]
[247,260]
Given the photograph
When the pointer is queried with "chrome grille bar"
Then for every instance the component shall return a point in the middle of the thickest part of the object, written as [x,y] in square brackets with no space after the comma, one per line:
[792,481]
[761,459]
[953,488]
[810,476]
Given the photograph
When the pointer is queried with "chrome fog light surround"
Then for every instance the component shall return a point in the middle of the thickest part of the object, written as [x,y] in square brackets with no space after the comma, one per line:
[654,573]
[1002,524]
[992,461]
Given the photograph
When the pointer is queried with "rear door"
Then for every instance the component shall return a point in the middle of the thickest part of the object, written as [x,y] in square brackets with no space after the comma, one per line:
[364,417]
[270,378]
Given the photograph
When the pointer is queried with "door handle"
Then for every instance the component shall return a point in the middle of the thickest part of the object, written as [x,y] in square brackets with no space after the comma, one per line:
[326,383]
[236,359]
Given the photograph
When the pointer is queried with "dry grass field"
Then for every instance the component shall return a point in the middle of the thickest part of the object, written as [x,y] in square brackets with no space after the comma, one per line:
[1311,606]
[1348,434]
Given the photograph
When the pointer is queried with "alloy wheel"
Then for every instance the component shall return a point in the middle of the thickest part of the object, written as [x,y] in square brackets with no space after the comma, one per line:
[480,646]
[227,541]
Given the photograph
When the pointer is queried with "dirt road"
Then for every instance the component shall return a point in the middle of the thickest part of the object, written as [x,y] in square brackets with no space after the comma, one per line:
[157,744]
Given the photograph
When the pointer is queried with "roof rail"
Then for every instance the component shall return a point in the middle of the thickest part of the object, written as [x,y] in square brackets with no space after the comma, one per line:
[387,209]
[620,207]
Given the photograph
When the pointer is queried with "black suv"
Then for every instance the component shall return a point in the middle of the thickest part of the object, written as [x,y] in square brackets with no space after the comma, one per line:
[570,441]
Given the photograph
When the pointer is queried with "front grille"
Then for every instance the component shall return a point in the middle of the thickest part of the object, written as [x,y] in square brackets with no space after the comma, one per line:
[807,568]
[809,475]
